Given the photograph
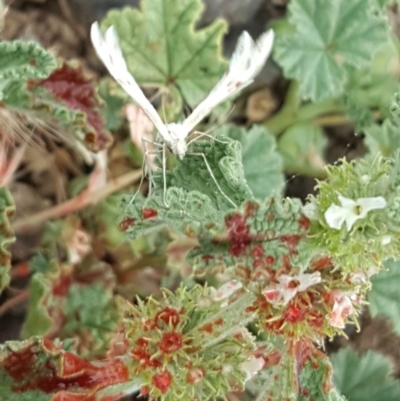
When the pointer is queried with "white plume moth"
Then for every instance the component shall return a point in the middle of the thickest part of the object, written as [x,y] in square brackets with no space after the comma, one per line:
[247,61]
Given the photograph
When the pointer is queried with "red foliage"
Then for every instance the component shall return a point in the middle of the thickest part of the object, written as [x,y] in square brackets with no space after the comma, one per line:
[40,365]
[69,84]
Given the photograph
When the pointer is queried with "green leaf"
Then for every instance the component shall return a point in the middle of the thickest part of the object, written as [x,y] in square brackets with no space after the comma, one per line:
[383,138]
[331,36]
[186,213]
[72,302]
[224,159]
[370,90]
[25,60]
[385,3]
[366,378]
[261,162]
[162,47]
[7,210]
[301,147]
[38,321]
[90,311]
[113,110]
[192,196]
[384,297]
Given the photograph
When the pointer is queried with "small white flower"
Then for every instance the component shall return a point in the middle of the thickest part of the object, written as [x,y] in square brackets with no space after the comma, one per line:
[361,277]
[342,307]
[386,239]
[252,367]
[288,286]
[350,211]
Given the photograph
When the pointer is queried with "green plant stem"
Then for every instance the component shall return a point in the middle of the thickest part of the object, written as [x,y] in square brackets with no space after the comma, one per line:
[288,116]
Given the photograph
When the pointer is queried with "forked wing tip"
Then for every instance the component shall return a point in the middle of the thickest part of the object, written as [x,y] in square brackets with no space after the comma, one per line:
[95,33]
[266,41]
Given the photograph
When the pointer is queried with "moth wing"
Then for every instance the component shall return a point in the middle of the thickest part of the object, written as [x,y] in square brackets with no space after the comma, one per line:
[108,49]
[246,62]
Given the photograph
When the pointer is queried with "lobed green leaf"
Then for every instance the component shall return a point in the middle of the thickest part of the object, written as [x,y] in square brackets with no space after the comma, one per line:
[364,378]
[384,297]
[332,36]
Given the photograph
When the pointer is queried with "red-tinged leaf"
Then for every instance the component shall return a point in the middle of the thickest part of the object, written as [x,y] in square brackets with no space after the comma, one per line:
[299,372]
[40,369]
[260,241]
[75,304]
[70,85]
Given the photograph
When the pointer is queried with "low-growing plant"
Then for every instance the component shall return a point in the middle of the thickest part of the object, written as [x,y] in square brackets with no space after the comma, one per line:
[252,282]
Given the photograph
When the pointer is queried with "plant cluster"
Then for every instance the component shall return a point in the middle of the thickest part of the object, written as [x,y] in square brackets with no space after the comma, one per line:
[253,283]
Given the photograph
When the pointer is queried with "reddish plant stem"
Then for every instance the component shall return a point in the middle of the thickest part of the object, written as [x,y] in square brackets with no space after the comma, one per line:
[14,301]
[83,200]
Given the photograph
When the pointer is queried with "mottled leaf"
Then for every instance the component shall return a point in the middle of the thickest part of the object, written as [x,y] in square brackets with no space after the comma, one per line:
[300,372]
[259,236]
[37,369]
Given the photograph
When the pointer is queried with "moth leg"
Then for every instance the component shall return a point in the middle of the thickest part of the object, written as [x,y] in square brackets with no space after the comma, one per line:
[146,167]
[213,178]
[158,147]
[164,172]
[201,134]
